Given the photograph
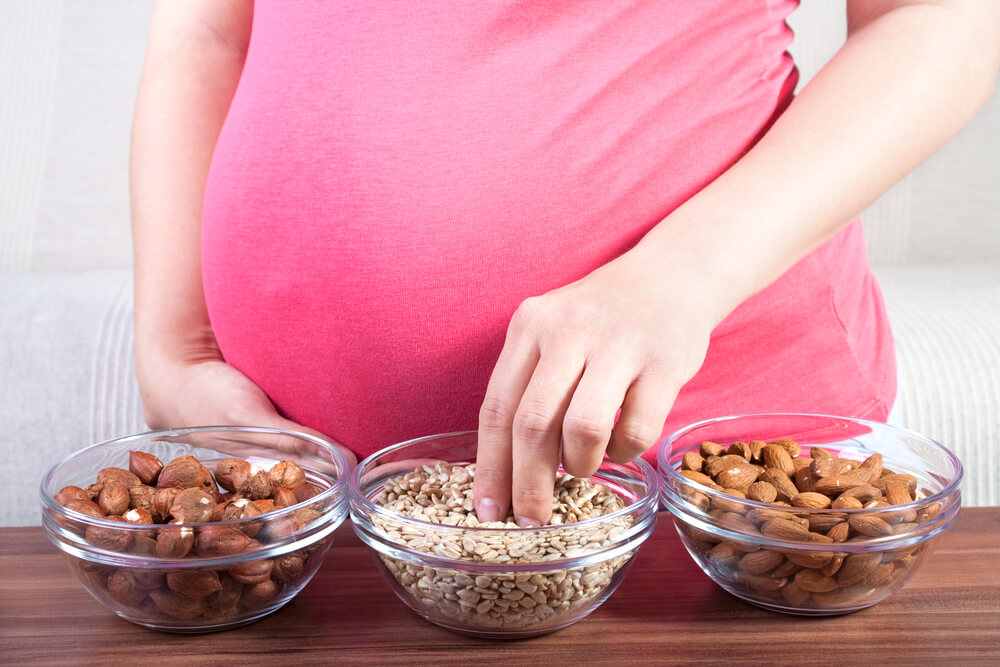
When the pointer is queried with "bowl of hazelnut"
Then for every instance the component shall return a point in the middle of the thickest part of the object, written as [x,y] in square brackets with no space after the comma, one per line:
[806,514]
[197,529]
[412,503]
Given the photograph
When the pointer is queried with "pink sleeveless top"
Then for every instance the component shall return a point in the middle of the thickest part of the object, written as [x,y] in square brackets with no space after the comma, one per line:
[393,179]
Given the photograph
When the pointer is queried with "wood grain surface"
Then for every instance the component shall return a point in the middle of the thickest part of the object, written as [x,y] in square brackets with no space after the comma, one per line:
[666,612]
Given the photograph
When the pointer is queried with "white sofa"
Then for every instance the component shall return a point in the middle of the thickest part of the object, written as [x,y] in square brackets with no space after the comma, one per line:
[66,369]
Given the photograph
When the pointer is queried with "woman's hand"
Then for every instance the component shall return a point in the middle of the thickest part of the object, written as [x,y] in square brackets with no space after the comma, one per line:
[620,338]
[206,391]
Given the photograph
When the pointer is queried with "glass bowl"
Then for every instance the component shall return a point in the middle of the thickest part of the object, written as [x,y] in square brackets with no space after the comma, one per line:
[234,572]
[499,582]
[819,554]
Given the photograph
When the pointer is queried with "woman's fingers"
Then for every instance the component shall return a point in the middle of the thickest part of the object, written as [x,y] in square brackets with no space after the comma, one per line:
[590,417]
[494,462]
[643,415]
[537,432]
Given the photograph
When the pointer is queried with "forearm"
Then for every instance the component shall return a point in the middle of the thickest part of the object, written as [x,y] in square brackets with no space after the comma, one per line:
[193,64]
[906,80]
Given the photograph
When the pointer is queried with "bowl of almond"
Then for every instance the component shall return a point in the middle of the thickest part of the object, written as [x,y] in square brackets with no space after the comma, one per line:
[806,514]
[197,529]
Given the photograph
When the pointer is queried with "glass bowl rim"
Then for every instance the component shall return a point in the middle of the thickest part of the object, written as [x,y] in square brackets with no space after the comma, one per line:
[648,501]
[339,485]
[673,476]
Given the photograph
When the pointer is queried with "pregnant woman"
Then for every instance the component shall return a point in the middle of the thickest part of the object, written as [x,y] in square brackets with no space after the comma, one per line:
[571,225]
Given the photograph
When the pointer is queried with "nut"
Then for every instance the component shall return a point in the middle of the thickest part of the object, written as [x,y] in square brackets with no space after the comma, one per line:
[124,589]
[120,475]
[260,594]
[288,567]
[822,494]
[192,506]
[68,493]
[184,472]
[84,506]
[108,538]
[176,606]
[233,474]
[283,497]
[145,466]
[194,584]
[252,571]
[213,541]
[174,541]
[114,498]
[286,474]
[259,487]
[306,491]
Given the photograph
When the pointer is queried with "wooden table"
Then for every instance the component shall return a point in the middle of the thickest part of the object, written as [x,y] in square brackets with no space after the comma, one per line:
[666,612]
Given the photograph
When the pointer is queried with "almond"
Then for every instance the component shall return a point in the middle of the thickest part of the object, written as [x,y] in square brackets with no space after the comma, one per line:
[740,449]
[777,457]
[823,463]
[723,555]
[692,461]
[794,595]
[909,480]
[760,562]
[865,493]
[783,529]
[835,485]
[698,477]
[756,447]
[856,567]
[871,526]
[790,446]
[839,532]
[717,465]
[718,502]
[809,559]
[814,581]
[762,492]
[896,491]
[811,500]
[805,479]
[781,483]
[711,449]
[843,502]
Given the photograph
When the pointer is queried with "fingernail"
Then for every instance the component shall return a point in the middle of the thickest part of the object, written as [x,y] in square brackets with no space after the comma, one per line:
[487,510]
[527,522]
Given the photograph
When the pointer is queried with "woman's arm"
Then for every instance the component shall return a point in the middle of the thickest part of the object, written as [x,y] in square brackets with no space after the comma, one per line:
[194,60]
[910,75]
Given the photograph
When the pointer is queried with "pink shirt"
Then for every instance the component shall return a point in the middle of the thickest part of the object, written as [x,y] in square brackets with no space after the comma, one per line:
[393,179]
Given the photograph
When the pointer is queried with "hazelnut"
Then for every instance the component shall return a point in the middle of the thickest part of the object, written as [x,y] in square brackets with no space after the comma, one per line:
[68,493]
[184,472]
[287,474]
[194,584]
[174,541]
[83,506]
[215,541]
[124,589]
[110,539]
[232,474]
[138,516]
[114,498]
[304,492]
[162,501]
[143,497]
[174,605]
[224,603]
[94,490]
[120,475]
[252,571]
[192,506]
[265,505]
[145,466]
[283,497]
[258,488]
[287,567]
[260,594]
[143,544]
[241,508]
